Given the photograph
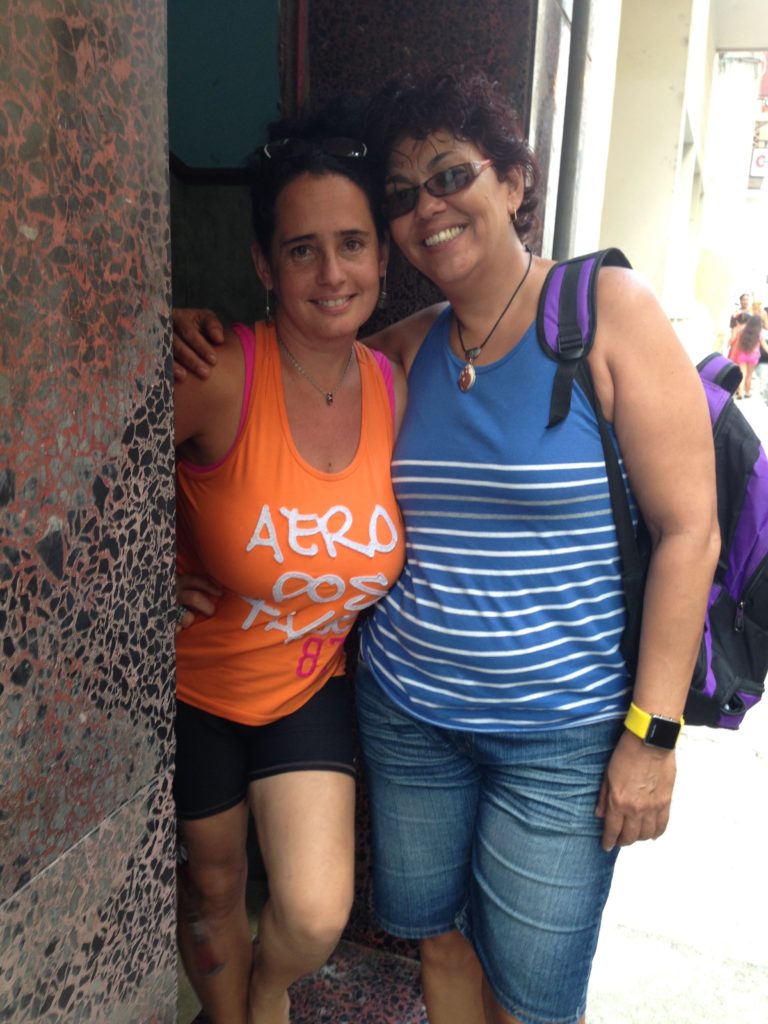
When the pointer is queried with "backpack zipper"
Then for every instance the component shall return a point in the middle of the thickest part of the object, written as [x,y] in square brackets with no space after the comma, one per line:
[738,617]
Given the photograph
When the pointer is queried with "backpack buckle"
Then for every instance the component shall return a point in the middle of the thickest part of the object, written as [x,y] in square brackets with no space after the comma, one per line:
[570,343]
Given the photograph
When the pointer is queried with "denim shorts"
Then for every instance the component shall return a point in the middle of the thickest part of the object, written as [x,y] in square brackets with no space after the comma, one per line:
[494,834]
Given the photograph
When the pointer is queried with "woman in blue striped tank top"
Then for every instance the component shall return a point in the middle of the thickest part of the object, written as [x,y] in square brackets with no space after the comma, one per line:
[492,692]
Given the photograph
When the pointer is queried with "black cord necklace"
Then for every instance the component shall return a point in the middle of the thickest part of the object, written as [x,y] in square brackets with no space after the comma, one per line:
[468,376]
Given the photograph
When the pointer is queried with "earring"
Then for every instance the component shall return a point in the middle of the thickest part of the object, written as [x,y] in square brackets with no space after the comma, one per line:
[267,311]
[383,300]
[513,217]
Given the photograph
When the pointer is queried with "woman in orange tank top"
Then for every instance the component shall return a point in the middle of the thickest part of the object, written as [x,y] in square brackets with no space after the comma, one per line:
[287,528]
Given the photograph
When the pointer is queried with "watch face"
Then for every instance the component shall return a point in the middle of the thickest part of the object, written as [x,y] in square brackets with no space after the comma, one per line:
[662,732]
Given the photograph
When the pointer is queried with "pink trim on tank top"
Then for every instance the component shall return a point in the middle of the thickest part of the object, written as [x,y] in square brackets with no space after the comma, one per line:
[386,371]
[248,344]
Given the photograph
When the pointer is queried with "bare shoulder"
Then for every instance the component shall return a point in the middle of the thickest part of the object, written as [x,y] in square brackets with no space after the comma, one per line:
[637,355]
[631,323]
[623,295]
[401,341]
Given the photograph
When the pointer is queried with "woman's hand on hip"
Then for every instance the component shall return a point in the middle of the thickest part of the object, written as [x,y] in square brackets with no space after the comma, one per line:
[195,595]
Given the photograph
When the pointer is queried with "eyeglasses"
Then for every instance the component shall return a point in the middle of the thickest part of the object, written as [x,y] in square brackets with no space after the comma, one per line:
[288,149]
[400,201]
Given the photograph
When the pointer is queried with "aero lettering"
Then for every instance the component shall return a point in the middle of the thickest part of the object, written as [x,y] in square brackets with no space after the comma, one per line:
[332,529]
[308,535]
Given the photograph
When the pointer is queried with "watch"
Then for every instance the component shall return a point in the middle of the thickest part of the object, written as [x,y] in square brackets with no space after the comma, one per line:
[654,730]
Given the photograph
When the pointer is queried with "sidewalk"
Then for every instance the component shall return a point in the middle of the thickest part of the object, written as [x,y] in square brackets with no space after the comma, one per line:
[685,933]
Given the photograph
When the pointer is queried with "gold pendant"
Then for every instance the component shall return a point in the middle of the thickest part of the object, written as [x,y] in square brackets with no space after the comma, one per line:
[467,377]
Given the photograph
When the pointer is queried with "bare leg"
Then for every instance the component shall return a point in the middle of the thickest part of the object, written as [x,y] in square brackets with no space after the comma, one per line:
[214,935]
[748,370]
[305,826]
[452,980]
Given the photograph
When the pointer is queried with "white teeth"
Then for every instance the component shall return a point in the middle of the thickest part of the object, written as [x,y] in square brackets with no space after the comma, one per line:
[443,236]
[332,303]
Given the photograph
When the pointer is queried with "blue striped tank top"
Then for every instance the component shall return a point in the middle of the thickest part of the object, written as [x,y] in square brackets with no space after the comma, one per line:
[509,612]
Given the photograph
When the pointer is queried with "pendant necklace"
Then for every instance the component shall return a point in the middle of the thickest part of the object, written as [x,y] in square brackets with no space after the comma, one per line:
[327,395]
[468,376]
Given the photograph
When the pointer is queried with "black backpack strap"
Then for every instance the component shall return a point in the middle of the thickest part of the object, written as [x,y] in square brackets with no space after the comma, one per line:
[566,320]
[565,326]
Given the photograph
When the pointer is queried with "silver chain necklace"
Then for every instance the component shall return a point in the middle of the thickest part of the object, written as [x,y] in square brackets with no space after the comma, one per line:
[327,395]
[467,376]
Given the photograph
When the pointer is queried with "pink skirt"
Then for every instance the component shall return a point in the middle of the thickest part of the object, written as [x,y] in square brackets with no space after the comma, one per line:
[746,358]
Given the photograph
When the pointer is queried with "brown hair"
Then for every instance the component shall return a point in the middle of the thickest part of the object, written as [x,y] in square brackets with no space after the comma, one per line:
[750,334]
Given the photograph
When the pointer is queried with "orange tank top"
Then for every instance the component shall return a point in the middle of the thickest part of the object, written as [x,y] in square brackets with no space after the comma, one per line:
[298,552]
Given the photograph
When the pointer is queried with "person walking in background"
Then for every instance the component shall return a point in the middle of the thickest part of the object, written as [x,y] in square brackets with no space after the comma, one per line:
[758,310]
[287,528]
[760,375]
[741,315]
[492,693]
[748,344]
[737,321]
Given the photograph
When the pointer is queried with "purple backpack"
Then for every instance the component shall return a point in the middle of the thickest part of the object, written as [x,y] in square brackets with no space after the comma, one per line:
[731,667]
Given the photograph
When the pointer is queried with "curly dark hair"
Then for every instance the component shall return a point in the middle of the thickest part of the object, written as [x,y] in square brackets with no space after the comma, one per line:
[342,118]
[471,108]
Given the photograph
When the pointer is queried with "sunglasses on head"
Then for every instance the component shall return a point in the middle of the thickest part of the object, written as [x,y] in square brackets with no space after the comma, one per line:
[287,149]
[399,201]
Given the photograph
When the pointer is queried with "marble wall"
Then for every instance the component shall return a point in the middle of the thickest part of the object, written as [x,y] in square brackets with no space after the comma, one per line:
[86,512]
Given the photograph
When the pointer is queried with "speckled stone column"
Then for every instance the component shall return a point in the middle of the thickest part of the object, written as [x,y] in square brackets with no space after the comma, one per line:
[86,516]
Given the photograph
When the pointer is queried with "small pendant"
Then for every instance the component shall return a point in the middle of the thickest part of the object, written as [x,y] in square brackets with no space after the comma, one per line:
[328,398]
[472,353]
[467,377]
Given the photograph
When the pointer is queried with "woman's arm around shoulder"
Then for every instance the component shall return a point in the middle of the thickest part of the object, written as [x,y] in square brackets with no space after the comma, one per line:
[207,411]
[195,333]
[198,335]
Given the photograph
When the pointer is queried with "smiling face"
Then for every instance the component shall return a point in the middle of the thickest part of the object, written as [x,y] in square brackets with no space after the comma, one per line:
[452,239]
[325,261]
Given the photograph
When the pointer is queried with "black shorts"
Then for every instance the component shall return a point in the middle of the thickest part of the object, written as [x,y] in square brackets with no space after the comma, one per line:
[217,758]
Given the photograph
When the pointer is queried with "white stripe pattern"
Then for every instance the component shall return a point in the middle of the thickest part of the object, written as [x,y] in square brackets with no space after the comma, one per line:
[509,612]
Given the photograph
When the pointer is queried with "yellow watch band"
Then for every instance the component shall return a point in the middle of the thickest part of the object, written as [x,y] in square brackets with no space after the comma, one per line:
[639,721]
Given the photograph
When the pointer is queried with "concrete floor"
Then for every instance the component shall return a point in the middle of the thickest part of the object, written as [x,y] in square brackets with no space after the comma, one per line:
[684,937]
